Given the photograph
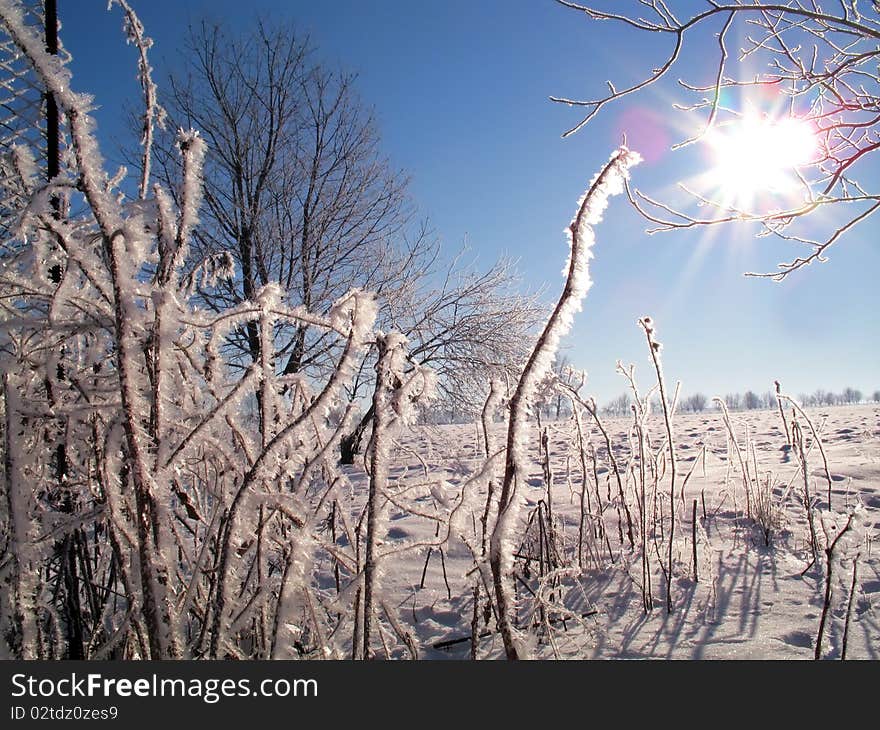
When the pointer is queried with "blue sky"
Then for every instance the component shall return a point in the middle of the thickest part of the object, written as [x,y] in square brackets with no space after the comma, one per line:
[460,89]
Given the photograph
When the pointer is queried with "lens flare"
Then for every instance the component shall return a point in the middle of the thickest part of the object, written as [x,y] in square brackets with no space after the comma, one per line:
[757,157]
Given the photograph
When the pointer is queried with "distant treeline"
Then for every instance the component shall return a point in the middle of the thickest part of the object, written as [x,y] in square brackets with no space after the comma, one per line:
[748,401]
[555,408]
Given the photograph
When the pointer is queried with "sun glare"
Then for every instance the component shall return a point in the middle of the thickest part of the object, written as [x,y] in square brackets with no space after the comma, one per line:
[756,157]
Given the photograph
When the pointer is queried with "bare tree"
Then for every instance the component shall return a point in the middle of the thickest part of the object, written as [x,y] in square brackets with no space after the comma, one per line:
[751,400]
[851,396]
[620,406]
[695,403]
[733,401]
[468,325]
[298,193]
[567,377]
[822,61]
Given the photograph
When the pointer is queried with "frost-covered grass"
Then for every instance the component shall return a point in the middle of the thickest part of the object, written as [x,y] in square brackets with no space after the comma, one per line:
[747,600]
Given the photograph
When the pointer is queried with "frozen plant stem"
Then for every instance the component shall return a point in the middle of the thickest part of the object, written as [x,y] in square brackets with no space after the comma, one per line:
[742,466]
[486,418]
[849,604]
[797,438]
[378,481]
[818,440]
[153,113]
[394,394]
[584,487]
[647,598]
[782,412]
[648,325]
[608,182]
[590,406]
[829,559]
[20,615]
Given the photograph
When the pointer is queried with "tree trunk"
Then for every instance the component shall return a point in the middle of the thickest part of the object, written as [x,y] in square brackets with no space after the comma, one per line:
[352,444]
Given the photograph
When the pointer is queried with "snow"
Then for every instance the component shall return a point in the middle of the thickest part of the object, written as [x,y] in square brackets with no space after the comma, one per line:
[749,601]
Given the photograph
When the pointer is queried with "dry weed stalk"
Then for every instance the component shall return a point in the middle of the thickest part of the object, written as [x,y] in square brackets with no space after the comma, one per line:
[849,604]
[829,565]
[765,511]
[817,439]
[589,405]
[654,346]
[797,438]
[732,440]
[609,181]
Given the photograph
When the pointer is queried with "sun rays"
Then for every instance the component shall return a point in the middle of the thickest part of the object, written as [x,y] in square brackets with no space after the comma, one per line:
[755,160]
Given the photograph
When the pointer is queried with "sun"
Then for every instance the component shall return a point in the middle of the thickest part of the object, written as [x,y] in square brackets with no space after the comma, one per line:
[756,158]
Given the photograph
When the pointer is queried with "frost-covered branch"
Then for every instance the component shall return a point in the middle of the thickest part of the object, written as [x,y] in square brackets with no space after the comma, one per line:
[609,181]
[153,112]
[820,62]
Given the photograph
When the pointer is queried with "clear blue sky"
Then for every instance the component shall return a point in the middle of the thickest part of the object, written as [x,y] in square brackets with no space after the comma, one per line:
[460,89]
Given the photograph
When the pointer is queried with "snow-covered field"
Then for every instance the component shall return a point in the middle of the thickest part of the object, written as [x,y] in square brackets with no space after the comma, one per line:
[748,599]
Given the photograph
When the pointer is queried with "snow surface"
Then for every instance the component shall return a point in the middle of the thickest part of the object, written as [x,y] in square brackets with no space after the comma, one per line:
[750,600]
